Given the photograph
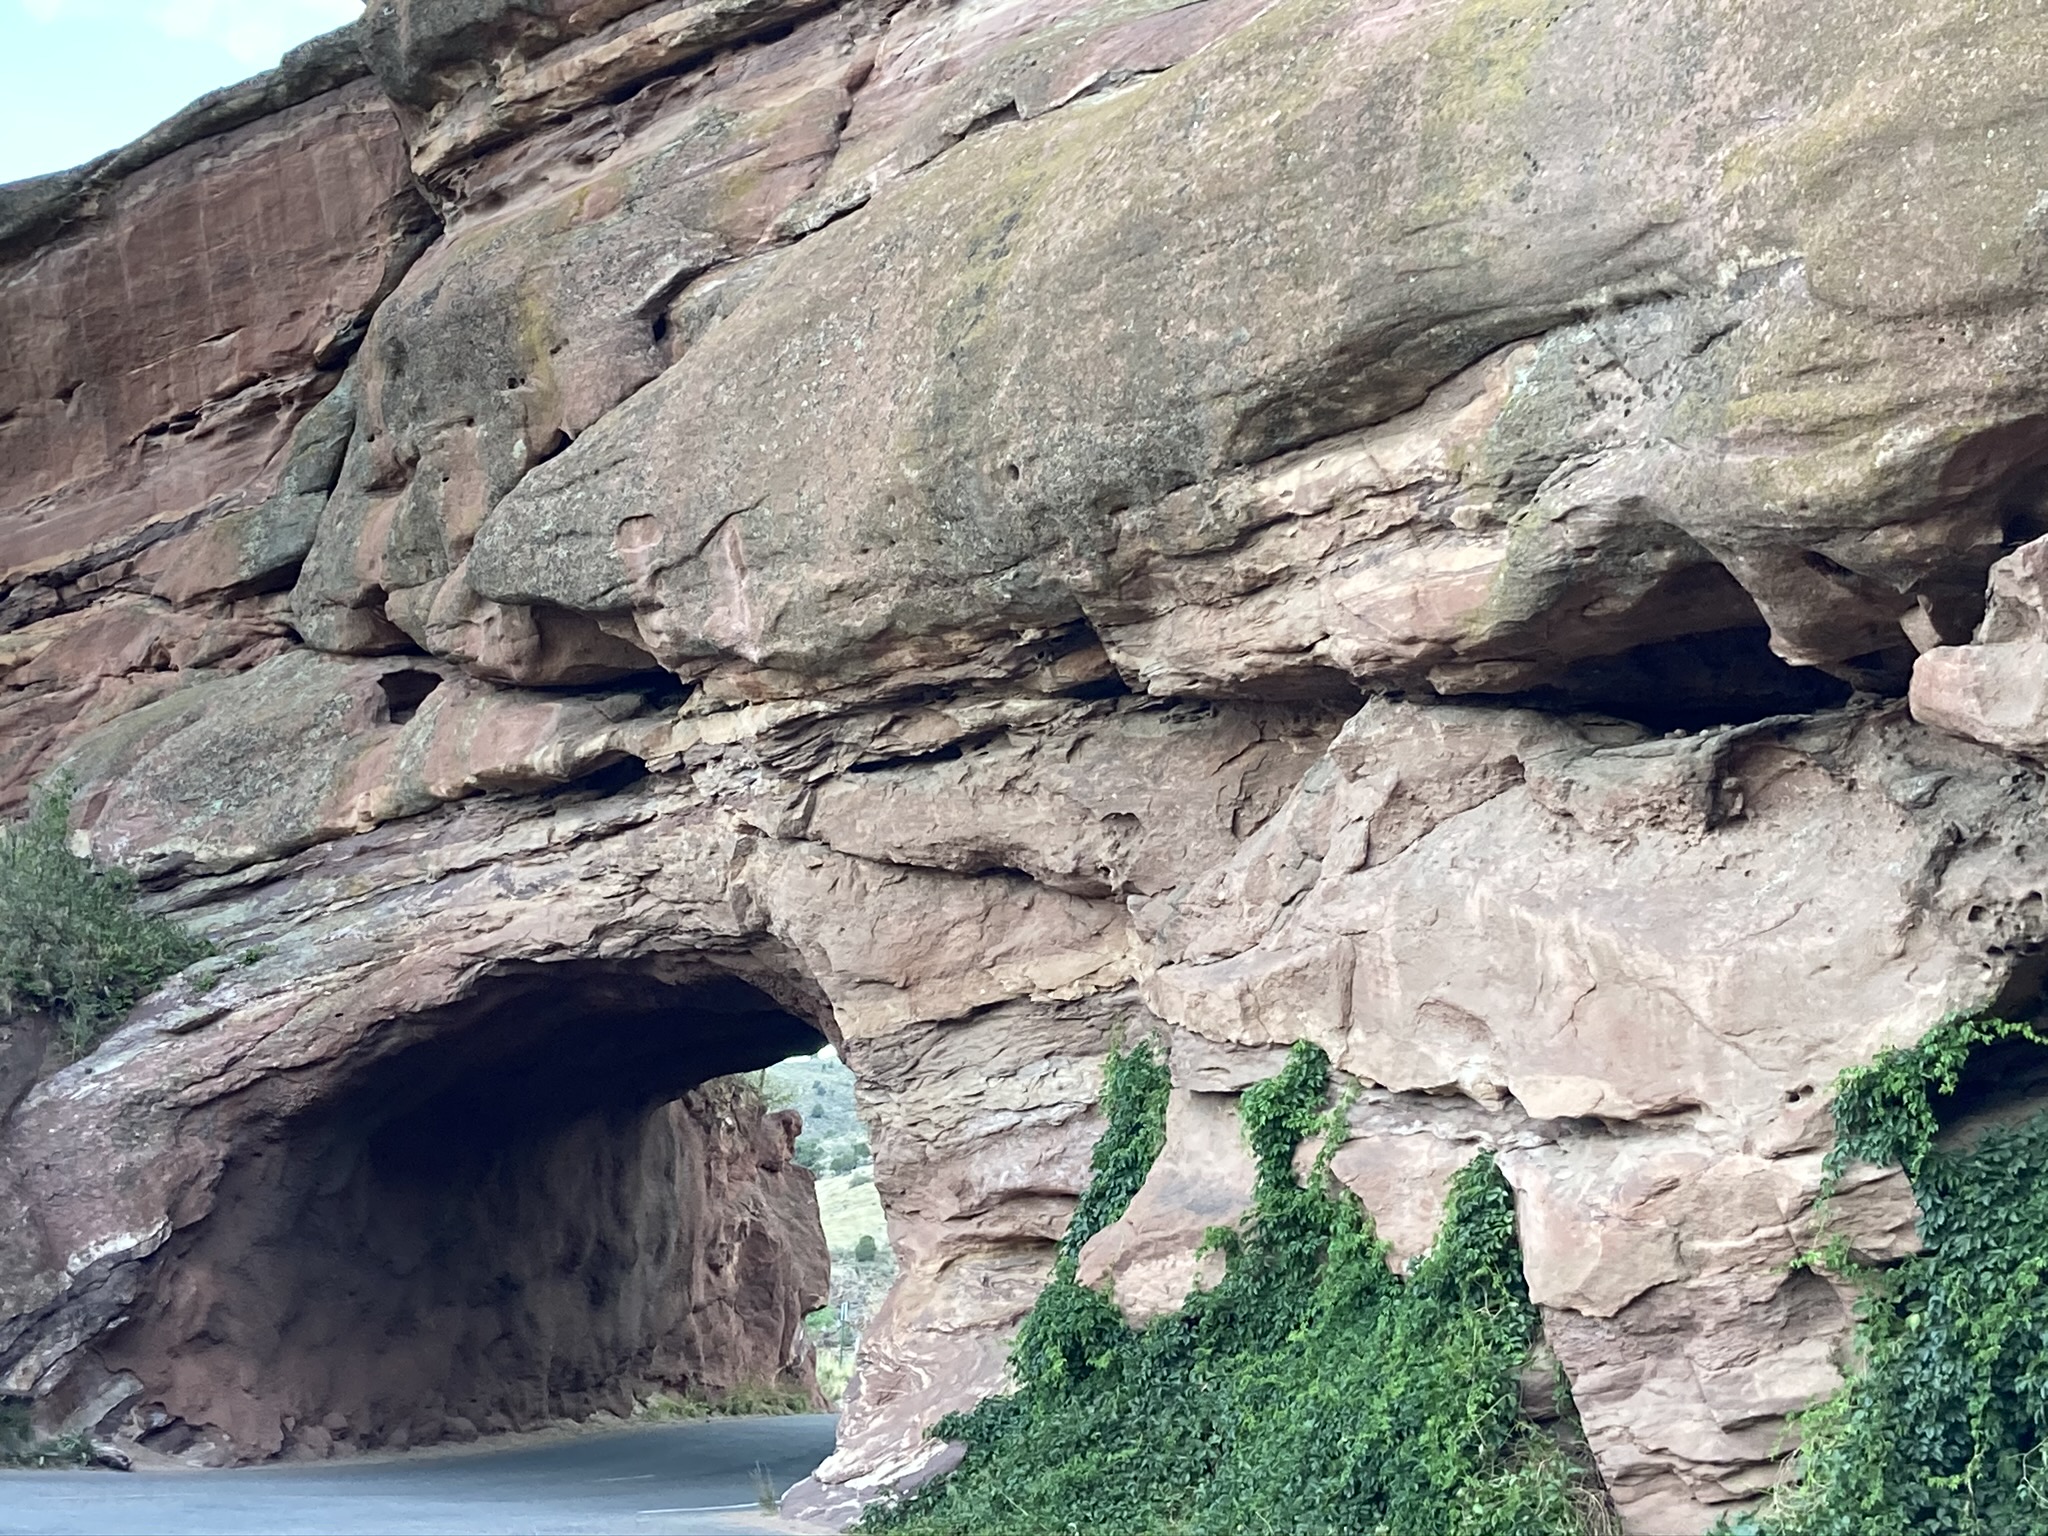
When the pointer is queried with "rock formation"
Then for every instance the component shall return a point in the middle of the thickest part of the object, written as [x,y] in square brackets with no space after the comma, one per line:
[602,542]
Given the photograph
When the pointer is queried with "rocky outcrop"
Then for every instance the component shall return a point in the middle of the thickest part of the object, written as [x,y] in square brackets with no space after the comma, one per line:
[1995,689]
[975,532]
[174,321]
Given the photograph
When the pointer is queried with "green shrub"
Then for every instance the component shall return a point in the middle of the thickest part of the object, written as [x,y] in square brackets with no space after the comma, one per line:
[72,944]
[755,1398]
[20,1447]
[671,1408]
[865,1250]
[1943,1428]
[1312,1391]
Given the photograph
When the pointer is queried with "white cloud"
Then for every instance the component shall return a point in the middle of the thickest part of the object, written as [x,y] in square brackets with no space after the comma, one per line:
[255,33]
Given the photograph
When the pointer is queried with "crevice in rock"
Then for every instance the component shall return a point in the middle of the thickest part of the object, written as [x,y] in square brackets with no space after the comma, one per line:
[1349,387]
[995,117]
[2004,1083]
[2024,995]
[551,446]
[1699,682]
[609,778]
[695,59]
[1111,686]
[2023,510]
[1888,672]
[951,752]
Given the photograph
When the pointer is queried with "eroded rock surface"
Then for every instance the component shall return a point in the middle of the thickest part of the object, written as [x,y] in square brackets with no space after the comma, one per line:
[684,530]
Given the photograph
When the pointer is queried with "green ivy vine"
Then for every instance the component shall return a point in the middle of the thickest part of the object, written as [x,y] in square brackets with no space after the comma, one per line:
[1942,1430]
[1311,1391]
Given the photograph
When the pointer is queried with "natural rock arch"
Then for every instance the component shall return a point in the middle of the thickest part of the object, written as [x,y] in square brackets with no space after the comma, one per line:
[523,1205]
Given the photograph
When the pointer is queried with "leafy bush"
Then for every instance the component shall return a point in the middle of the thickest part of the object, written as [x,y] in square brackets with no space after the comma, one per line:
[72,944]
[1312,1391]
[865,1250]
[1944,1427]
[754,1398]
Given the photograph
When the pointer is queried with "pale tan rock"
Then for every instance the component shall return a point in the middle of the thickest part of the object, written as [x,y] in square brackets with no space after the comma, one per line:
[1402,1181]
[1097,800]
[1995,690]
[1151,1257]
[1444,970]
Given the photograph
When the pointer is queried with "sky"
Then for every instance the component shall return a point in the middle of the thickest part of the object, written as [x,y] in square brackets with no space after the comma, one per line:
[81,77]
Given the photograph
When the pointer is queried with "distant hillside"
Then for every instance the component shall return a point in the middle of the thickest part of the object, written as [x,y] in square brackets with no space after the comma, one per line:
[834,1146]
[820,1088]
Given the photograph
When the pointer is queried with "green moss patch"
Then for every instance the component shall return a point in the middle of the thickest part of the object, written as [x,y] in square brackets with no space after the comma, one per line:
[1313,1390]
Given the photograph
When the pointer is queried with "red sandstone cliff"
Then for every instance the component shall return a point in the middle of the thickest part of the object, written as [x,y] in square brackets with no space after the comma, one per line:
[612,541]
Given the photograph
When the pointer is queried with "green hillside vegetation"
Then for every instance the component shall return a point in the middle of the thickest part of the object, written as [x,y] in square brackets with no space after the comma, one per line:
[820,1088]
[852,1210]
[834,1146]
[21,1448]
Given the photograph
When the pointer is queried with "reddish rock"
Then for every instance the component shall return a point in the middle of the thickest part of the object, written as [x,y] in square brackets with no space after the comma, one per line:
[978,532]
[158,355]
[168,318]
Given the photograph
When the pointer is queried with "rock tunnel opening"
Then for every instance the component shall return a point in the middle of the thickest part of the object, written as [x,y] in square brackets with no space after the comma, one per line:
[538,1203]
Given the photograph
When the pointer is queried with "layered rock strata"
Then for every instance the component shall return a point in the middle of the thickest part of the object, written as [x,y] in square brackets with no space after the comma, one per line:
[974,532]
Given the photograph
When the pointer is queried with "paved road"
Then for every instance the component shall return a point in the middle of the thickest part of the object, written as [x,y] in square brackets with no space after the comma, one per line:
[695,1478]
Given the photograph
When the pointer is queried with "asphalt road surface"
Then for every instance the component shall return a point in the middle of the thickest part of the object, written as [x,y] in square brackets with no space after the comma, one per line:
[703,1479]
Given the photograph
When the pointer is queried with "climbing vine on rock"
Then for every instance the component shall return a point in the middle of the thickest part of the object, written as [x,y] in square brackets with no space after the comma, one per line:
[1943,1430]
[1134,1090]
[1312,1391]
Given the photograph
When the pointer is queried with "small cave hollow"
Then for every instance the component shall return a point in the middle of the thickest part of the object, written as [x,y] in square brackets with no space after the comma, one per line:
[2004,1083]
[404,692]
[541,1202]
[1700,682]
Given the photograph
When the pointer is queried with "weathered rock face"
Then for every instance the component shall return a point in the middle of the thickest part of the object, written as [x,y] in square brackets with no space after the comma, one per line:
[973,532]
[168,318]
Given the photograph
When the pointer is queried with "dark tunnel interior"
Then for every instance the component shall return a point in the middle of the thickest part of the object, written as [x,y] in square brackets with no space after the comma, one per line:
[524,1206]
